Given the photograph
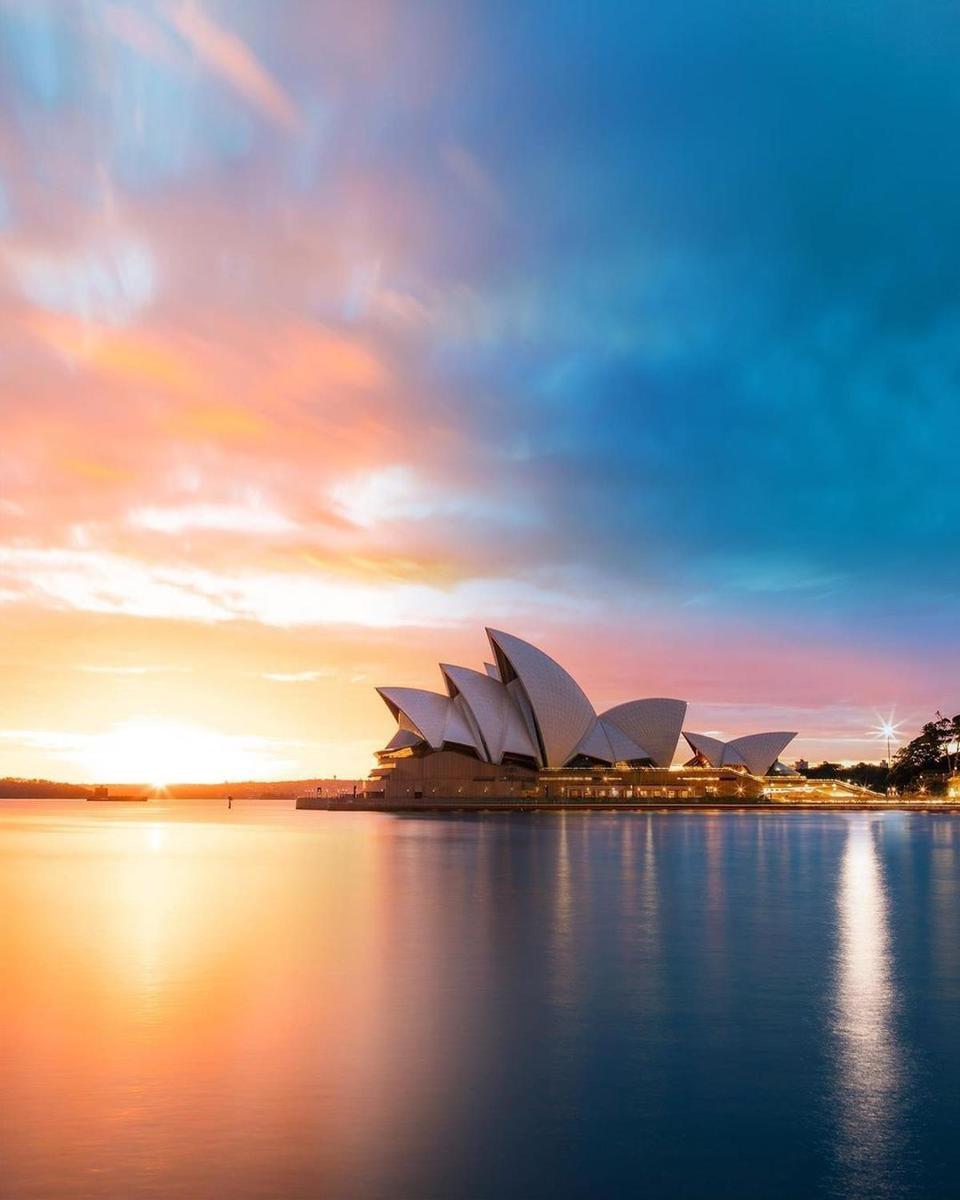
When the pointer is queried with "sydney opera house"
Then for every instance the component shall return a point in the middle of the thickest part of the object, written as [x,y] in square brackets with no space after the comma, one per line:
[523,730]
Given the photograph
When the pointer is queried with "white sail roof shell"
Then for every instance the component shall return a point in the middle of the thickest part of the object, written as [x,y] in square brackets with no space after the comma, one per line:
[759,751]
[609,744]
[460,726]
[624,748]
[501,727]
[561,711]
[653,723]
[402,739]
[431,714]
[710,748]
[596,744]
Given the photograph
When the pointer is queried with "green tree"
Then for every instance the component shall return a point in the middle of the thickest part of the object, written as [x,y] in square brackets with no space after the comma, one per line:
[934,749]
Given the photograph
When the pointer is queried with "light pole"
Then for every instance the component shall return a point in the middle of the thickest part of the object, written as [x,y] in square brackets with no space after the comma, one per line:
[888,730]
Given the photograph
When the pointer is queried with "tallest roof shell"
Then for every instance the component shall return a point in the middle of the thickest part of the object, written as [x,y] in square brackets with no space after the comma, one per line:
[562,714]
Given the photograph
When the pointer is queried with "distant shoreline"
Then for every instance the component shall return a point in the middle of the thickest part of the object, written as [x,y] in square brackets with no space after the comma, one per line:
[248,789]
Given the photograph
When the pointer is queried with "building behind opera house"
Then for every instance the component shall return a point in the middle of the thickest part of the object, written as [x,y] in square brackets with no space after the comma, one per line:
[523,730]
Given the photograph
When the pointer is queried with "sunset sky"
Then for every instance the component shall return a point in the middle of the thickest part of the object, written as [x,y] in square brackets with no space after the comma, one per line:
[332,332]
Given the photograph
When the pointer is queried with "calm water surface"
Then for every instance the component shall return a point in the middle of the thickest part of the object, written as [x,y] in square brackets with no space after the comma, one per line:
[272,1004]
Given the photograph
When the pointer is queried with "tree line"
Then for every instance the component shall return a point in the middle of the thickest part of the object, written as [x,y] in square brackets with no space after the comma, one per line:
[935,751]
[926,761]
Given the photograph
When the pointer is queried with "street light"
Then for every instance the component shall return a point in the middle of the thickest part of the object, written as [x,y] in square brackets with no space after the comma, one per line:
[887,730]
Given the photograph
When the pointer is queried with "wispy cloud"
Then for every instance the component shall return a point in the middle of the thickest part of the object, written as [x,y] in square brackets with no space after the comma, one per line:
[227,518]
[137,30]
[98,581]
[233,60]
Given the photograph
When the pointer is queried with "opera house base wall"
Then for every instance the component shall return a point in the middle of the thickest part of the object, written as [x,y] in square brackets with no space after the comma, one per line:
[447,774]
[447,778]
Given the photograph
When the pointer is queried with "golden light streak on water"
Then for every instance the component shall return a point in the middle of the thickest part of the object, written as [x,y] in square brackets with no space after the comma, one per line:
[871,1067]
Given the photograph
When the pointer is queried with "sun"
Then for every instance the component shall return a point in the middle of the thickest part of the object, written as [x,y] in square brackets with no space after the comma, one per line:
[161,753]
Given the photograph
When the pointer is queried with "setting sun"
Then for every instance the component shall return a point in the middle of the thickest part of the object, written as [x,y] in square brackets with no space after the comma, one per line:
[161,753]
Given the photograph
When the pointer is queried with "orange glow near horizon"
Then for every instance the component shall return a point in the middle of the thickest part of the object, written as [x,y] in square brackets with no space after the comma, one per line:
[161,753]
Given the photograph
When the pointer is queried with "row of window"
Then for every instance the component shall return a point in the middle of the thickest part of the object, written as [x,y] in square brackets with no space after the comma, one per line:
[574,793]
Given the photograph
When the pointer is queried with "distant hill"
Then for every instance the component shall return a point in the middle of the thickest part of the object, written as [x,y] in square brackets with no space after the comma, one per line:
[41,789]
[249,789]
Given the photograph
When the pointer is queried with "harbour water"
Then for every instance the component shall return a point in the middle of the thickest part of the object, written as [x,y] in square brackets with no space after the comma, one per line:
[266,1003]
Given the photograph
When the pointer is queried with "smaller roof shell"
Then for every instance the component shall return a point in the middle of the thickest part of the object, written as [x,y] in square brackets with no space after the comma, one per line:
[758,752]
[431,714]
[653,723]
[710,748]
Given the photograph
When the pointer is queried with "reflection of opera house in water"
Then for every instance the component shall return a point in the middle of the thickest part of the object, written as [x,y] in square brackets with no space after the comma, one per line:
[523,730]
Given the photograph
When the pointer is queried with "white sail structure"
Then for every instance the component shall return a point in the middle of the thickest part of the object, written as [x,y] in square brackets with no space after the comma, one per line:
[654,724]
[561,712]
[525,708]
[498,719]
[758,752]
